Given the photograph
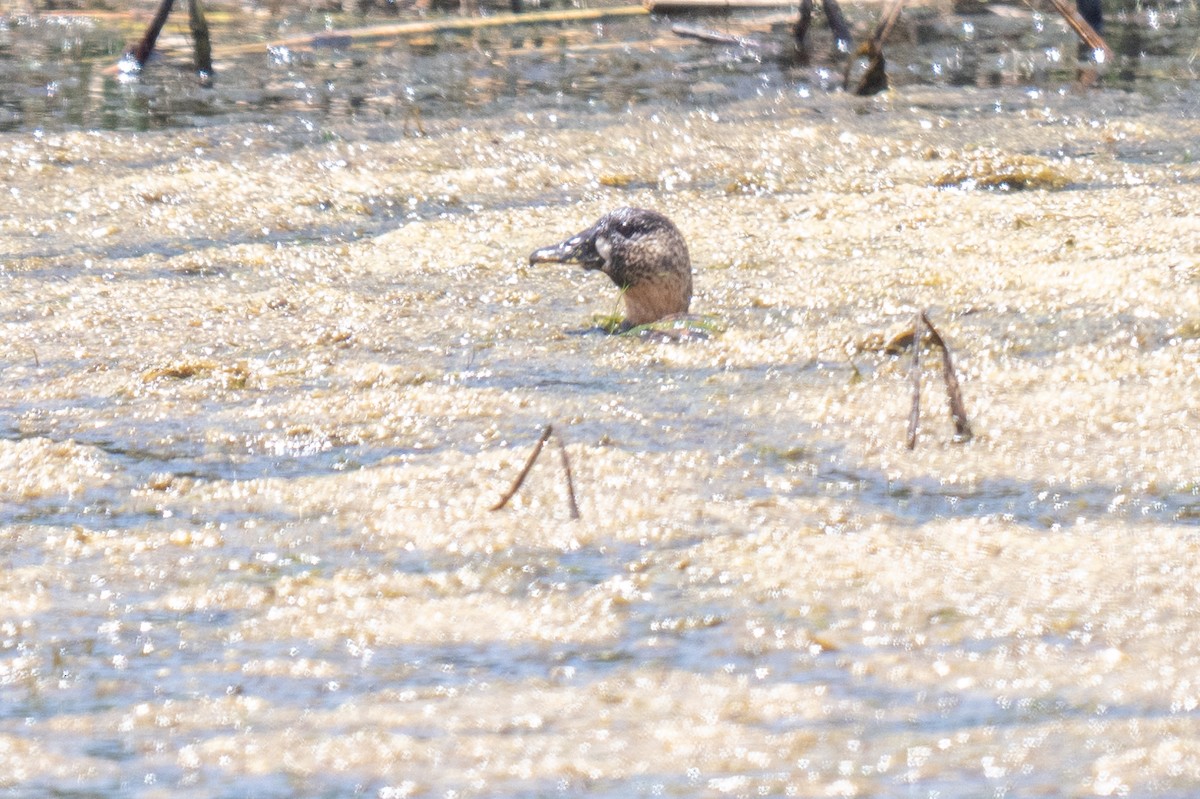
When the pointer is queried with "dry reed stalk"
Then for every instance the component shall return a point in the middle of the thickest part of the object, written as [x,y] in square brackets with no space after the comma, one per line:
[398,30]
[533,456]
[958,411]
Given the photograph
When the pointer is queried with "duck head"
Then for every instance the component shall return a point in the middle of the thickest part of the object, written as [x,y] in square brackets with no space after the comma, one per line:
[642,252]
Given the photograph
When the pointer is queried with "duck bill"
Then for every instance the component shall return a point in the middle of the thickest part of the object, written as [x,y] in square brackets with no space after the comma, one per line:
[568,252]
[575,250]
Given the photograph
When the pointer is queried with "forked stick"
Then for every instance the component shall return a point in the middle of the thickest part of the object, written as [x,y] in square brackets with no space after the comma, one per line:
[533,456]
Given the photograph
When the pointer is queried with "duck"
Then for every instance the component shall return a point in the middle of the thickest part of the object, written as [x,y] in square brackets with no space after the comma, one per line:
[642,252]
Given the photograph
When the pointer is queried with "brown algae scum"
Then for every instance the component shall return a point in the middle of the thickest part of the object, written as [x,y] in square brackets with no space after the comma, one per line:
[261,387]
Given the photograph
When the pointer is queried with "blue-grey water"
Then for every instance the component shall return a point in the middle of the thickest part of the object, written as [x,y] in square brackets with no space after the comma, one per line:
[273,349]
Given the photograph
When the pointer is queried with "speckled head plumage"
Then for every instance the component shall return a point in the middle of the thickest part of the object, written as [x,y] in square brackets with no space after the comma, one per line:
[642,252]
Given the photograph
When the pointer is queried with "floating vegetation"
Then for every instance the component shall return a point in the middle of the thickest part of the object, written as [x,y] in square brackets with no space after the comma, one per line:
[618,180]
[893,343]
[795,454]
[751,184]
[1189,329]
[997,171]
[184,370]
[613,323]
[236,375]
[680,327]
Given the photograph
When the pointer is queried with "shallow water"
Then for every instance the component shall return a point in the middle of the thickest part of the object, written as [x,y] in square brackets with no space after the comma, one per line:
[57,70]
[263,378]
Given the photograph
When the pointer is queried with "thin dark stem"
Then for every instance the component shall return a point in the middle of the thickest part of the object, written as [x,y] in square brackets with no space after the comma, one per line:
[800,30]
[566,462]
[200,38]
[914,373]
[533,456]
[1083,29]
[958,411]
[874,79]
[891,15]
[142,50]
[843,41]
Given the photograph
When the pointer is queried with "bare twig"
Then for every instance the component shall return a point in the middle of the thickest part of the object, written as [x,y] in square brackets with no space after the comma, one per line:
[200,38]
[1083,29]
[874,79]
[566,463]
[377,34]
[891,15]
[716,37]
[914,373]
[141,51]
[838,25]
[958,412]
[533,456]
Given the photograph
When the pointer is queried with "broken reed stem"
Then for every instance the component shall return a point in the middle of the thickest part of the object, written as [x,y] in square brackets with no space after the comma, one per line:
[874,79]
[914,373]
[566,463]
[376,34]
[145,46]
[891,15]
[201,41]
[958,411]
[533,456]
[838,25]
[705,35]
[1083,29]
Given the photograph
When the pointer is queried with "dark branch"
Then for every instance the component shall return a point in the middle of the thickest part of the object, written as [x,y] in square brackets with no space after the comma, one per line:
[958,412]
[141,51]
[533,456]
[914,373]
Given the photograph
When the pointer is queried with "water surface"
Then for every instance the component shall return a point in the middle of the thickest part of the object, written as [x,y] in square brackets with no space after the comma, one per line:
[265,371]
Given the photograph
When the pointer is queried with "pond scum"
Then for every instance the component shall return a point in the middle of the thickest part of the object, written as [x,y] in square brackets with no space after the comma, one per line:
[263,380]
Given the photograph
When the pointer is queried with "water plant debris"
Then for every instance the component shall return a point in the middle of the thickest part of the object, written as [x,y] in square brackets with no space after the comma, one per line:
[533,456]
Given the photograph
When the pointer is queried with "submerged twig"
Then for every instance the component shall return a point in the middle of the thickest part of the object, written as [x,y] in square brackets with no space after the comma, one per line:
[715,37]
[958,412]
[533,456]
